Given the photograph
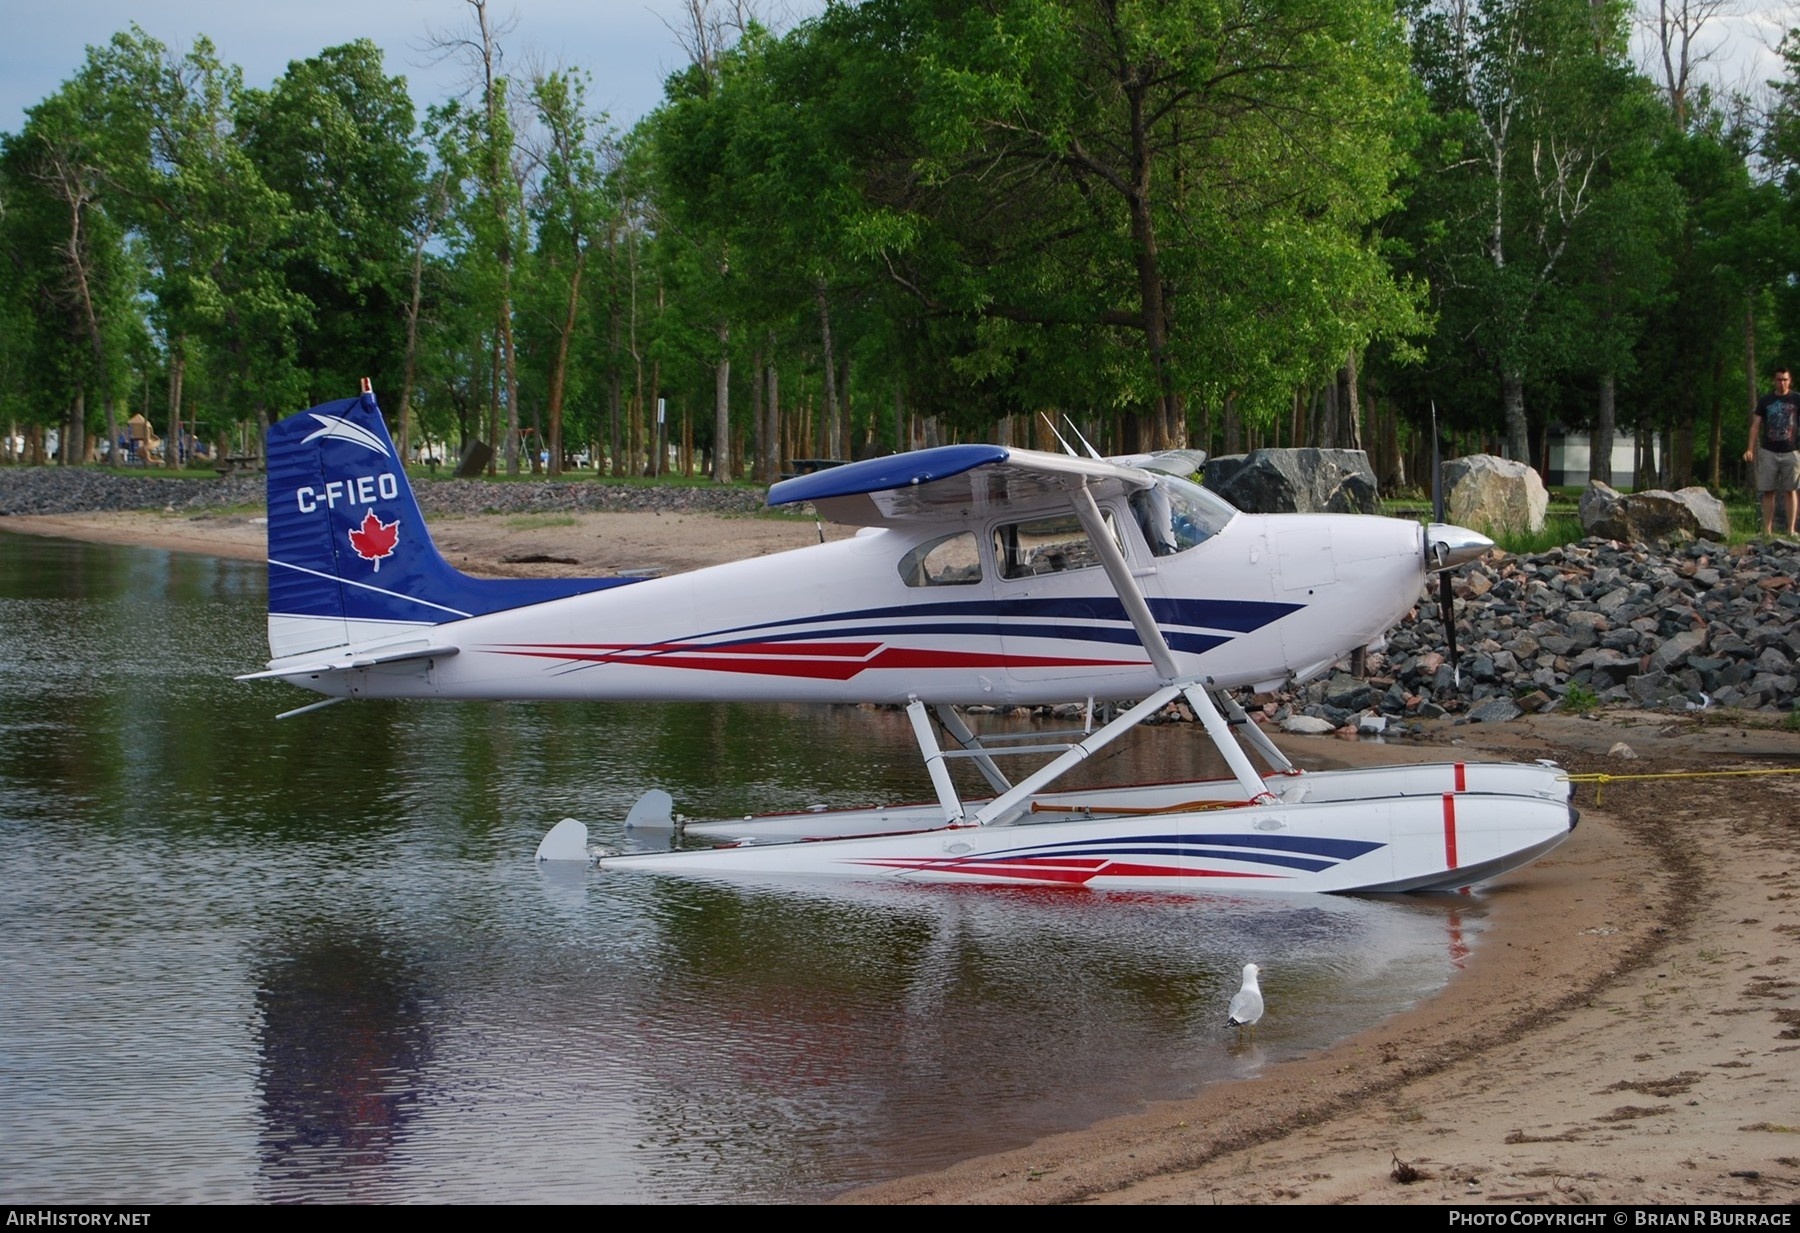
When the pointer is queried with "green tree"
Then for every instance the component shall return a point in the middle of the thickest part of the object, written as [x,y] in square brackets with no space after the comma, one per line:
[1530,104]
[1118,204]
[336,136]
[65,268]
[570,214]
[210,225]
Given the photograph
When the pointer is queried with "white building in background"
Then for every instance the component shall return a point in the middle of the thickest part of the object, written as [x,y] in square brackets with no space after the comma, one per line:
[1570,454]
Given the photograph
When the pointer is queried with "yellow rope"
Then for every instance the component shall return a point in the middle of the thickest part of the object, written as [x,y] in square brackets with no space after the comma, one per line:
[1601,778]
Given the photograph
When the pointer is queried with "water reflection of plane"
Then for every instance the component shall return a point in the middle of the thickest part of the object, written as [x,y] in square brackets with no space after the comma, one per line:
[344,1043]
[981,574]
[920,1024]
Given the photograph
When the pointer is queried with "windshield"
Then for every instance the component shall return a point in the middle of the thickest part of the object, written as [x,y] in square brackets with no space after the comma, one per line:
[1177,515]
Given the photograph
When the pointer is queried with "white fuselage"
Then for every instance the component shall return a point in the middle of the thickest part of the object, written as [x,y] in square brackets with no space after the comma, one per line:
[1267,597]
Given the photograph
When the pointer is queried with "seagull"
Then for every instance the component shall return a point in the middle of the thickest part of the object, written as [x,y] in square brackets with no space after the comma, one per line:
[1247,1003]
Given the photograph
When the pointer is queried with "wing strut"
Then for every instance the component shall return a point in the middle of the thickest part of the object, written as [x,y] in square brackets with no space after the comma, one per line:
[934,763]
[1009,804]
[1253,733]
[1013,800]
[1161,658]
[965,736]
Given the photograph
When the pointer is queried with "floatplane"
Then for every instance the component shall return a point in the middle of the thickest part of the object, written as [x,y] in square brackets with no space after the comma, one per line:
[980,575]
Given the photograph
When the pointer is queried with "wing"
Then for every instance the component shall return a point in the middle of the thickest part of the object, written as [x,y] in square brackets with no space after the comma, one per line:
[1246,1007]
[953,482]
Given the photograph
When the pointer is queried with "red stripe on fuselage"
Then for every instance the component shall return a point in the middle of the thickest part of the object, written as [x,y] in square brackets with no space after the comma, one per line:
[1462,778]
[1062,873]
[1450,828]
[615,651]
[781,663]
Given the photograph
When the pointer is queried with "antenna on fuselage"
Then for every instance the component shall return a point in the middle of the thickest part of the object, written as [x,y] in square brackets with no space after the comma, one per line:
[1092,452]
[1051,425]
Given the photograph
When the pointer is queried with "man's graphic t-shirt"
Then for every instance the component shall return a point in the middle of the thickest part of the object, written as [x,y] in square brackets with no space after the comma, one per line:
[1780,422]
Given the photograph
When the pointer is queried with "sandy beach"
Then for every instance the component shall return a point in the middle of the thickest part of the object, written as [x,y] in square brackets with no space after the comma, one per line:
[1625,1031]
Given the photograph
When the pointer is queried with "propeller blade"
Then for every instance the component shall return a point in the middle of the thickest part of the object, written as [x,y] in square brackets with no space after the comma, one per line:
[1447,603]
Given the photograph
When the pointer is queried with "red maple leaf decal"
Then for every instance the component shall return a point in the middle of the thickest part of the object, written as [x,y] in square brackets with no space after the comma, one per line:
[375,539]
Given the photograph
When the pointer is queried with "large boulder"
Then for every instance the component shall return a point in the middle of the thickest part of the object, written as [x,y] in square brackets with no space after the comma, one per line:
[1490,494]
[1652,516]
[1297,481]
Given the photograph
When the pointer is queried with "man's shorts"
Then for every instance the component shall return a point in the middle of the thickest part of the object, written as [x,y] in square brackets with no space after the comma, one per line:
[1777,472]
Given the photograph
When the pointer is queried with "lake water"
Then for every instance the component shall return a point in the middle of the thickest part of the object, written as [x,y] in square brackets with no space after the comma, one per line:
[313,960]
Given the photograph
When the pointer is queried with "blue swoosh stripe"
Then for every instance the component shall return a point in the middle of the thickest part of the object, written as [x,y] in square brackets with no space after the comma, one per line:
[1309,864]
[1337,849]
[1192,643]
[1238,616]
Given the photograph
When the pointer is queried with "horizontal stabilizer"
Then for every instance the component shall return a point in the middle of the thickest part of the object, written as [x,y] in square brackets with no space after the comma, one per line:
[350,663]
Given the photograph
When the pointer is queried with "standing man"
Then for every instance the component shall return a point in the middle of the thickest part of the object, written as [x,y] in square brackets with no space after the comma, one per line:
[1774,435]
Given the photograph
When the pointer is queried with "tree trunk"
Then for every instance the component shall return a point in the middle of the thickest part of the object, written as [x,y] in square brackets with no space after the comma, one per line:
[1398,471]
[845,446]
[1164,430]
[615,393]
[511,362]
[493,419]
[1750,347]
[1512,399]
[171,450]
[832,428]
[1600,439]
[759,427]
[774,405]
[409,369]
[656,427]
[721,451]
[1350,436]
[73,431]
[1716,440]
[559,369]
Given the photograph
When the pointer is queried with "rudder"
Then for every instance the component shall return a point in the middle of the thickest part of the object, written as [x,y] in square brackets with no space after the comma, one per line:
[350,559]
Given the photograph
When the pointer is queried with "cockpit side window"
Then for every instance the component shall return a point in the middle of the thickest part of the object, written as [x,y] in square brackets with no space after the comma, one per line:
[1176,515]
[1046,546]
[948,561]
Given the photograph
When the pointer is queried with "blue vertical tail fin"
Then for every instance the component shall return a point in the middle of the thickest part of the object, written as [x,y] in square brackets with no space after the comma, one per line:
[350,559]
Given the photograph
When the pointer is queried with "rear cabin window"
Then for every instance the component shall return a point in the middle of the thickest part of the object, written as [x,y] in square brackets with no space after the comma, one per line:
[949,561]
[1046,546]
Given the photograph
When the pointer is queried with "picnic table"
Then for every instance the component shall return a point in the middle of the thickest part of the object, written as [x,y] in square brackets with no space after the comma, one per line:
[806,466]
[238,464]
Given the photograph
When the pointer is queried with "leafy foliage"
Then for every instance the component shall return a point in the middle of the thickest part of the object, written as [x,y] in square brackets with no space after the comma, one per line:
[906,220]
